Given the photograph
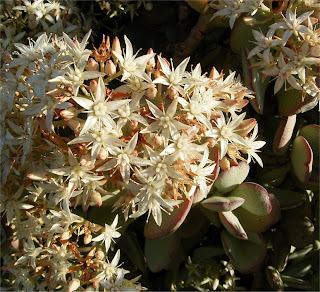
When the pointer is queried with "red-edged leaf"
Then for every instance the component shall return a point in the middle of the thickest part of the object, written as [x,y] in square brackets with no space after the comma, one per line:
[283,135]
[232,224]
[222,204]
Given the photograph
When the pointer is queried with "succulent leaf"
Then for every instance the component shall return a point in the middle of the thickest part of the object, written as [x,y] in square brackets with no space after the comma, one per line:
[231,178]
[222,204]
[283,135]
[256,198]
[245,255]
[287,199]
[233,225]
[301,158]
[160,252]
[170,223]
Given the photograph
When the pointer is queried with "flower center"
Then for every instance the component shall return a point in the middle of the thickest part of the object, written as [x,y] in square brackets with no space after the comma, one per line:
[100,109]
[164,121]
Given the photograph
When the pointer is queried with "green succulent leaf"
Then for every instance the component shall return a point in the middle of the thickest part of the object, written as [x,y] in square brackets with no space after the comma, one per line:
[312,134]
[301,158]
[256,198]
[222,204]
[256,223]
[245,255]
[296,283]
[160,252]
[283,135]
[231,178]
[287,199]
[274,278]
[233,225]
[170,222]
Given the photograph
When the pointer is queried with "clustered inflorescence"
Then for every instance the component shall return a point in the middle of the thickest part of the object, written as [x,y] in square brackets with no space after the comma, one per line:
[80,127]
[287,48]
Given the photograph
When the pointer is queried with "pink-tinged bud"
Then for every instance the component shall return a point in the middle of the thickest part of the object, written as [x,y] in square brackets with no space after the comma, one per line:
[93,65]
[69,113]
[73,285]
[99,255]
[315,51]
[85,160]
[93,86]
[215,284]
[172,93]
[134,125]
[95,197]
[103,154]
[65,236]
[152,92]
[224,163]
[38,175]
[110,68]
[87,238]
[95,286]
[246,126]
[214,73]
[152,61]
[74,124]
[91,289]
[211,142]
[14,244]
[116,47]
[158,140]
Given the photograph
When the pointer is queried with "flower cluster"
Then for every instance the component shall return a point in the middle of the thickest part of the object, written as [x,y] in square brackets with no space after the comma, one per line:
[72,136]
[289,51]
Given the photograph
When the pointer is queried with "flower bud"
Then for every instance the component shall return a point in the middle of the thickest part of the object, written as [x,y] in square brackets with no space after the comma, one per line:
[110,68]
[93,86]
[152,61]
[95,197]
[103,154]
[87,238]
[249,20]
[152,92]
[158,140]
[85,160]
[38,175]
[224,163]
[214,74]
[74,124]
[69,113]
[91,289]
[73,285]
[211,142]
[93,65]
[65,236]
[99,255]
[315,51]
[215,284]
[172,93]
[116,47]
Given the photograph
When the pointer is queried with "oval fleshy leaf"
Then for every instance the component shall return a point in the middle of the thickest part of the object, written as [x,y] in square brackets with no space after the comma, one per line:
[222,204]
[245,255]
[160,252]
[288,199]
[213,217]
[274,279]
[170,222]
[231,178]
[301,158]
[232,224]
[312,134]
[290,102]
[256,198]
[214,156]
[283,135]
[258,224]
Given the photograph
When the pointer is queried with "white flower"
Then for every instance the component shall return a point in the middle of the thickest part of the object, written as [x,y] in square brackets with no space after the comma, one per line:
[225,131]
[165,121]
[99,109]
[30,253]
[292,24]
[251,146]
[123,158]
[173,77]
[110,232]
[130,64]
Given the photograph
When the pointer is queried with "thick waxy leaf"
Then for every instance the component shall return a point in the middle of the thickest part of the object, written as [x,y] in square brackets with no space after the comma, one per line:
[283,135]
[301,158]
[312,134]
[231,178]
[213,217]
[214,156]
[245,255]
[258,224]
[232,224]
[274,278]
[256,198]
[160,252]
[206,252]
[296,283]
[194,223]
[280,250]
[170,223]
[222,204]
[274,176]
[253,80]
[288,199]
[290,102]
